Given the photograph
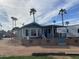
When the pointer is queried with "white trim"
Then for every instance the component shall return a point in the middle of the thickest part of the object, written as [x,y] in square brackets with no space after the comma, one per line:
[36,32]
[29,32]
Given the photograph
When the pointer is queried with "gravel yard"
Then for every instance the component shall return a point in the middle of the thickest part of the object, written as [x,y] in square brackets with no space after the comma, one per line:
[13,49]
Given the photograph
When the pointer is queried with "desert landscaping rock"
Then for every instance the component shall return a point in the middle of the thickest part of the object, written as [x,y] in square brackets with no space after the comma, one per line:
[8,49]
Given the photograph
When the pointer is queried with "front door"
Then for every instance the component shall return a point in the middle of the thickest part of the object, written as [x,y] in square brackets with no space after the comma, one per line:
[47,33]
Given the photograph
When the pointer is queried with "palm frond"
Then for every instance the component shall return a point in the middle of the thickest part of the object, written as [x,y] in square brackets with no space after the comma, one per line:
[14,18]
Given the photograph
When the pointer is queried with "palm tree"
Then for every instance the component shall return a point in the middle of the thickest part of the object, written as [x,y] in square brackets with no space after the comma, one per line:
[54,21]
[67,23]
[14,19]
[32,12]
[62,12]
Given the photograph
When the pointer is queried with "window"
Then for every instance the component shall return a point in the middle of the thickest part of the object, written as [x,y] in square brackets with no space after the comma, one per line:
[67,30]
[33,32]
[39,32]
[78,30]
[26,32]
[49,31]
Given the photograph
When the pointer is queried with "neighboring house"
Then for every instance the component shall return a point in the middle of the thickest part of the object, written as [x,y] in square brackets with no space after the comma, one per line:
[70,31]
[2,33]
[72,34]
[73,31]
[15,31]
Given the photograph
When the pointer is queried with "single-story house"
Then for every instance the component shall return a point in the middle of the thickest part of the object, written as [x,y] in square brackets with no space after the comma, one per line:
[55,34]
[35,30]
[15,32]
[70,31]
[72,34]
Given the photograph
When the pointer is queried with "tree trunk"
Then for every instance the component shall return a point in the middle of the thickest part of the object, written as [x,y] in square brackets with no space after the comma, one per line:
[62,19]
[33,17]
[15,23]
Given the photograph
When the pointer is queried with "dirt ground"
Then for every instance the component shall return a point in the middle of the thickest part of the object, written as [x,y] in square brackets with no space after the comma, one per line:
[10,49]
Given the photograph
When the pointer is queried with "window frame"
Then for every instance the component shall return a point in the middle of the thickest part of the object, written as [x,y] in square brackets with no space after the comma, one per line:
[33,32]
[78,31]
[27,32]
[36,29]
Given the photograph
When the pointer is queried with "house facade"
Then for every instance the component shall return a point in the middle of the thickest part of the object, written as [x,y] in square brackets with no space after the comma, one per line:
[72,34]
[70,31]
[35,34]
[34,31]
[38,34]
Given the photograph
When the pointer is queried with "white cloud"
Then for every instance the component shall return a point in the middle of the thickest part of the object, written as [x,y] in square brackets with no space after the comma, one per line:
[67,5]
[46,9]
[71,21]
[70,3]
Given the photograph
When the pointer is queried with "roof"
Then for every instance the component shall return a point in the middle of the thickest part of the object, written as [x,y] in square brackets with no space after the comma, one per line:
[36,25]
[16,28]
[33,24]
[53,26]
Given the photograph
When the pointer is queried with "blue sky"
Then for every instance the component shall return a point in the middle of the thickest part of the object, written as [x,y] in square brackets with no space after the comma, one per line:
[47,11]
